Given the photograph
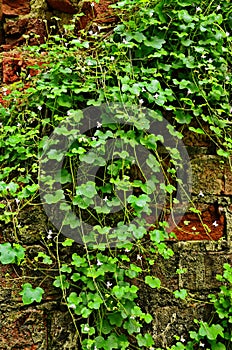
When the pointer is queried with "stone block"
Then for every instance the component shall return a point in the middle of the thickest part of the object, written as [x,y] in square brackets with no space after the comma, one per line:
[62,6]
[13,63]
[202,269]
[34,28]
[228,180]
[209,225]
[15,7]
[208,175]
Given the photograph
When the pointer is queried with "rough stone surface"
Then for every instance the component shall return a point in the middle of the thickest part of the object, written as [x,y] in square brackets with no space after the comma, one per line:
[34,28]
[13,63]
[62,6]
[96,14]
[15,7]
[208,175]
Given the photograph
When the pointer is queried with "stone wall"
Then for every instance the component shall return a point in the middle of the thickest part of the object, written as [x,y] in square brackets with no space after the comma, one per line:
[48,326]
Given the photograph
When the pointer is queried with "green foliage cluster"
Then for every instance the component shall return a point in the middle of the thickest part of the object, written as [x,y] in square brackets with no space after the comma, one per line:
[214,336]
[171,57]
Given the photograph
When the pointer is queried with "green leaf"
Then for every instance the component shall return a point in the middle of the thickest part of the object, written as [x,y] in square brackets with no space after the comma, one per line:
[182,294]
[218,346]
[65,268]
[64,101]
[153,86]
[155,42]
[92,158]
[138,36]
[132,326]
[153,282]
[54,198]
[182,117]
[11,254]
[68,242]
[145,340]
[115,319]
[29,295]
[46,259]
[223,153]
[61,282]
[211,332]
[88,190]
[184,15]
[140,201]
[197,130]
[78,261]
[169,188]
[100,342]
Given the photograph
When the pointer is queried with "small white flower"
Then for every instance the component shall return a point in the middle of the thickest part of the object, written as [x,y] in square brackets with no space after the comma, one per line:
[218,7]
[18,125]
[72,306]
[201,194]
[99,263]
[4,89]
[198,9]
[182,339]
[1,125]
[68,113]
[127,250]
[139,257]
[39,108]
[50,233]
[215,223]
[231,110]
[89,63]
[151,14]
[203,55]
[94,138]
[105,199]
[19,226]
[108,284]
[99,28]
[210,60]
[132,317]
[143,89]
[92,4]
[125,41]
[227,34]
[86,328]
[141,101]
[99,124]
[90,32]
[156,95]
[112,58]
[17,201]
[202,344]
[188,92]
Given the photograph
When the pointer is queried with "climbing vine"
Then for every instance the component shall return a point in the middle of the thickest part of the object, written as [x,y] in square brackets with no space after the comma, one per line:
[172,59]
